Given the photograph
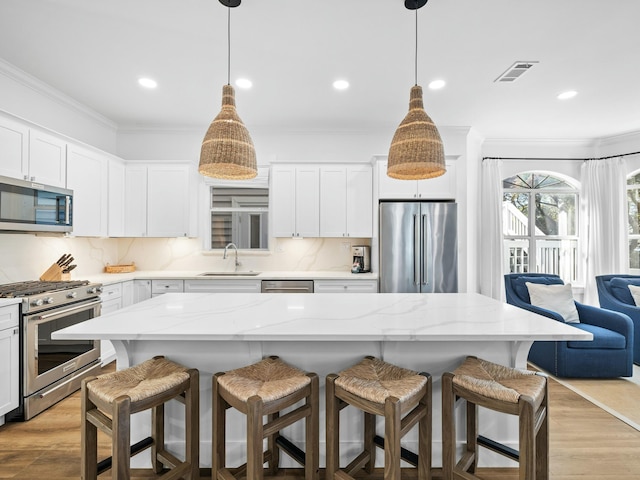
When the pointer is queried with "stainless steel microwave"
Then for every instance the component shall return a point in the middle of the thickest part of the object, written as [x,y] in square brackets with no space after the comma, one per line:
[33,207]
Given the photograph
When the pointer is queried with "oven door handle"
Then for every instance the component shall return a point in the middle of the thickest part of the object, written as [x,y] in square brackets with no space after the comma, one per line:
[76,308]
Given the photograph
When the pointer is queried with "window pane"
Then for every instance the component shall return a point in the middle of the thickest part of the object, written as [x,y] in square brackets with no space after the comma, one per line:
[515,211]
[516,256]
[559,257]
[523,180]
[634,253]
[633,202]
[555,214]
[634,180]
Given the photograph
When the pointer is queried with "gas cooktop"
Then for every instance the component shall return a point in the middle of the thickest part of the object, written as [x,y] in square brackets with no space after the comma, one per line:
[34,287]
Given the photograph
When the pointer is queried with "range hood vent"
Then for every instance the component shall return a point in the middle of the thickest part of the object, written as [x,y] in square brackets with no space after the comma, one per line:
[515,71]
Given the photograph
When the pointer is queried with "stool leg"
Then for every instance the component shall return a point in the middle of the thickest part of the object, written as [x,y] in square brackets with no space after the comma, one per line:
[157,434]
[369,444]
[272,446]
[542,444]
[392,425]
[312,432]
[332,413]
[218,452]
[121,438]
[472,435]
[425,434]
[255,435]
[192,424]
[448,427]
[88,438]
[527,442]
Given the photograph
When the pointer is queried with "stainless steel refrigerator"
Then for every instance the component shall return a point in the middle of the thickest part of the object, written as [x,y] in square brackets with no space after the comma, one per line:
[418,247]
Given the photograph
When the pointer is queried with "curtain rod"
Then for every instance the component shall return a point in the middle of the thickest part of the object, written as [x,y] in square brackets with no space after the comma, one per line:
[555,159]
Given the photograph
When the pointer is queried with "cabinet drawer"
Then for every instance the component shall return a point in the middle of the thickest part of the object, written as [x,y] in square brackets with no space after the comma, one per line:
[346,286]
[110,292]
[166,286]
[8,316]
[222,286]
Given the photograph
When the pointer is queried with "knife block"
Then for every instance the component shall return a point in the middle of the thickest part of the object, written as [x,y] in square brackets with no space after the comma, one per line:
[54,274]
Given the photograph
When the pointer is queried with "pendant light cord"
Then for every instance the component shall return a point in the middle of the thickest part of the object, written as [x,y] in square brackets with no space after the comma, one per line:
[416,54]
[228,45]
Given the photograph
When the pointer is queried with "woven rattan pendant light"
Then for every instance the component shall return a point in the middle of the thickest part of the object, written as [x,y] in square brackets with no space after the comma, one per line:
[227,150]
[416,150]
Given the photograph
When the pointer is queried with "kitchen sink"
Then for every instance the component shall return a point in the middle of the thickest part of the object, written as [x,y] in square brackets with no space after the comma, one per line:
[229,274]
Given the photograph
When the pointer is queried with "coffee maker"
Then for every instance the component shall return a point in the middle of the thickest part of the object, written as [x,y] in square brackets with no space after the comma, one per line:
[361,259]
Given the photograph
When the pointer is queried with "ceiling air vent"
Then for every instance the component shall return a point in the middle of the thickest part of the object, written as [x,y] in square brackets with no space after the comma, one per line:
[515,71]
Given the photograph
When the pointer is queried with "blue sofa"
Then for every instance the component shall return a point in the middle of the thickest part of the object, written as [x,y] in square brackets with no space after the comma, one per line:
[609,355]
[614,294]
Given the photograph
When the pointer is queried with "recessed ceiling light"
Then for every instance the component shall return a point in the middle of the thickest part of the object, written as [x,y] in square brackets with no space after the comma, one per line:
[147,82]
[437,84]
[244,83]
[340,84]
[567,95]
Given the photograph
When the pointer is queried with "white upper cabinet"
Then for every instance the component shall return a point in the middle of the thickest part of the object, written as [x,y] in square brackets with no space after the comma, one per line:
[295,197]
[47,159]
[14,148]
[117,175]
[87,176]
[158,200]
[439,188]
[346,201]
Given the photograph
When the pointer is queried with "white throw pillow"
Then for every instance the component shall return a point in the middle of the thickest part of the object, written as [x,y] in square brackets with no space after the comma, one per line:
[635,293]
[557,298]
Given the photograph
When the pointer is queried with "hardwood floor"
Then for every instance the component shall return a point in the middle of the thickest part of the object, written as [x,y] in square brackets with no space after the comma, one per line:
[587,443]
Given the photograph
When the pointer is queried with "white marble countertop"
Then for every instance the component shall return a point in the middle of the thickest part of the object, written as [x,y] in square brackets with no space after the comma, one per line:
[9,301]
[323,317]
[109,278]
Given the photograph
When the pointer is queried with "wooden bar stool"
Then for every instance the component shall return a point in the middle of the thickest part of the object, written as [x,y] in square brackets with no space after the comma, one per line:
[502,389]
[109,400]
[266,388]
[401,396]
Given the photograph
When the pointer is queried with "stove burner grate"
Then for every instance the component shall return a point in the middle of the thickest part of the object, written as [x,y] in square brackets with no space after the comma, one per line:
[24,289]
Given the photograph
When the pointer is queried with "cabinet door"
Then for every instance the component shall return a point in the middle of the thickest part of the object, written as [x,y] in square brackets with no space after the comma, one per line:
[141,290]
[135,198]
[307,201]
[115,220]
[14,144]
[390,188]
[439,188]
[168,195]
[283,207]
[87,176]
[47,159]
[9,369]
[333,201]
[359,201]
[127,293]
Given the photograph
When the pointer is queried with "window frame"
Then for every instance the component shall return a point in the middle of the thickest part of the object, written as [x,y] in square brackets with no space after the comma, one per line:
[632,236]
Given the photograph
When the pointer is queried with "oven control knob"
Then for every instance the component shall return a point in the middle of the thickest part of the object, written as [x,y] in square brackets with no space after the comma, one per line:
[92,290]
[72,295]
[37,303]
[48,300]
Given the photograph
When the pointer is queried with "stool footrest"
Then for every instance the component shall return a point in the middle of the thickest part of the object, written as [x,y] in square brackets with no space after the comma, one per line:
[293,451]
[136,448]
[499,448]
[407,455]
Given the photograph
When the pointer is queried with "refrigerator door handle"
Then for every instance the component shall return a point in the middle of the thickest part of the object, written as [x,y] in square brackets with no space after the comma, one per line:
[417,255]
[423,250]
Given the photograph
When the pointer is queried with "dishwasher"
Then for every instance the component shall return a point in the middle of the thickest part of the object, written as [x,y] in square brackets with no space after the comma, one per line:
[287,286]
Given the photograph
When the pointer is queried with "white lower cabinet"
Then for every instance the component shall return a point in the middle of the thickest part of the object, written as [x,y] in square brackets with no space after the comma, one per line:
[158,287]
[141,290]
[345,286]
[9,358]
[222,286]
[111,301]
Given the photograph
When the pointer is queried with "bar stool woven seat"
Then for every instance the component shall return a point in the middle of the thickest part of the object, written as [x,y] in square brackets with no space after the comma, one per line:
[401,396]
[503,389]
[266,388]
[120,394]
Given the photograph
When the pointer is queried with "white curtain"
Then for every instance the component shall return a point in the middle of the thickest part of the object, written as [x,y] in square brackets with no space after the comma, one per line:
[603,225]
[491,242]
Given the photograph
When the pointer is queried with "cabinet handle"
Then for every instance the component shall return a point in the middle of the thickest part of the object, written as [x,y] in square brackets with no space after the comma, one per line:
[15,331]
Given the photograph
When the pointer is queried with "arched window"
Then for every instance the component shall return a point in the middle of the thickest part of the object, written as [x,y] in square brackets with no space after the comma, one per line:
[633,204]
[540,225]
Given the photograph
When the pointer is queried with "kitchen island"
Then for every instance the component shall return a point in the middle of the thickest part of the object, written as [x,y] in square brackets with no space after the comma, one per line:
[323,333]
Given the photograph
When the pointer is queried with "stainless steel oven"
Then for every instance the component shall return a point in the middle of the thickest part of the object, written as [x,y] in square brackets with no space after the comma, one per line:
[52,369]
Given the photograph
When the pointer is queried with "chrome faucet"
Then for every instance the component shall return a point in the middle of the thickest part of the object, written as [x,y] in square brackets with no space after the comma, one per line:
[224,256]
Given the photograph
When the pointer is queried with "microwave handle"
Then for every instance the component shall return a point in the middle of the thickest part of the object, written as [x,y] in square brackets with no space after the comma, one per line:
[67,210]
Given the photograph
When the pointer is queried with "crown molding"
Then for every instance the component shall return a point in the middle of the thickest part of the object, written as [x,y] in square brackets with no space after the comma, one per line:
[25,79]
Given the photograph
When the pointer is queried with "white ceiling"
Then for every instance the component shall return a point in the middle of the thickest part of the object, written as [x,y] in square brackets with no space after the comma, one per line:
[292,50]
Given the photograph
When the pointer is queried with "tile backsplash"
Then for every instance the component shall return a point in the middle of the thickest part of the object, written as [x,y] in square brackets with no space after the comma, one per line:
[26,256]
